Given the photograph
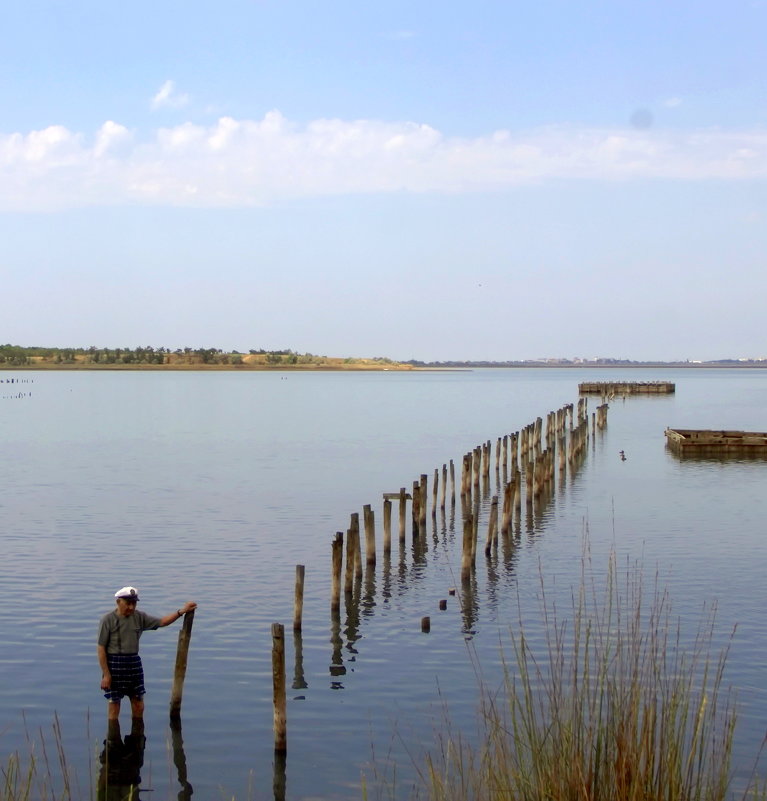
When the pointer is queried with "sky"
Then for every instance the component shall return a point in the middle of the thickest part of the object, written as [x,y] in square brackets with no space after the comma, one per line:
[415,180]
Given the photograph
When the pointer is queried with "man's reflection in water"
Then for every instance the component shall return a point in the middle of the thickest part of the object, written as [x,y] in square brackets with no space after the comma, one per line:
[121,762]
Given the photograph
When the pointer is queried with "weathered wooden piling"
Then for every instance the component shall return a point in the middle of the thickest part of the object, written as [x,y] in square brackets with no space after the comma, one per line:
[402,513]
[387,525]
[506,509]
[435,493]
[336,564]
[492,526]
[351,560]
[426,624]
[278,684]
[354,533]
[298,602]
[424,501]
[179,671]
[466,550]
[466,475]
[443,489]
[416,508]
[452,480]
[443,604]
[370,534]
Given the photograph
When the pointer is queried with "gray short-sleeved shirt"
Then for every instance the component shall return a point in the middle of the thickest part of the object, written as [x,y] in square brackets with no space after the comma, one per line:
[120,635]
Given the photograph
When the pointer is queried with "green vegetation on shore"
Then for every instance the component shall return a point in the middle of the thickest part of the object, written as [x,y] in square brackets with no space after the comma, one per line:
[160,358]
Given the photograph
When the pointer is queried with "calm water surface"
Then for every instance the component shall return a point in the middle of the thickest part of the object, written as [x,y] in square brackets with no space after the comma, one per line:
[213,487]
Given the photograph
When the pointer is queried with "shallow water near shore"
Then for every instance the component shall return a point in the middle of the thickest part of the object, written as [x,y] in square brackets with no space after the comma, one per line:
[212,487]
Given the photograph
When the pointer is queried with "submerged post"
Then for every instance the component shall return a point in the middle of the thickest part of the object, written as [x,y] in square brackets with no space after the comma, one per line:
[278,682]
[179,672]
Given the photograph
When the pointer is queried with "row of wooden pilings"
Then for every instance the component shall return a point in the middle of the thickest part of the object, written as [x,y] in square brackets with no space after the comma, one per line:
[563,435]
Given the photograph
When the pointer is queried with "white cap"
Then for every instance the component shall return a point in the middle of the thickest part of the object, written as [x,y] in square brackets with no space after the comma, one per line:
[129,593]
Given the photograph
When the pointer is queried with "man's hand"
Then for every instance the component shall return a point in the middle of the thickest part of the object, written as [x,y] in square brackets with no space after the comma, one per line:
[106,681]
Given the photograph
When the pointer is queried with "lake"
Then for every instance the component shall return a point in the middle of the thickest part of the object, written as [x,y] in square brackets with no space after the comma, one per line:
[213,486]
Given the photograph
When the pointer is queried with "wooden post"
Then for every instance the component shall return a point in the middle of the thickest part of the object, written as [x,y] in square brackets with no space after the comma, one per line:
[468,536]
[350,562]
[387,525]
[179,672]
[452,479]
[402,513]
[337,563]
[370,534]
[492,527]
[434,493]
[508,502]
[298,605]
[416,508]
[426,624]
[424,501]
[443,489]
[278,683]
[354,532]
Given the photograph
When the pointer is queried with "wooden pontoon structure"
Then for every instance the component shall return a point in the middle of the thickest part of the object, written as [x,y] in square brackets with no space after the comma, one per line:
[689,441]
[607,388]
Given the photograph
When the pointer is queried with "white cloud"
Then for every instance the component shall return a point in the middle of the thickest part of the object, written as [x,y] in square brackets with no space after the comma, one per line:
[167,97]
[672,102]
[110,137]
[255,162]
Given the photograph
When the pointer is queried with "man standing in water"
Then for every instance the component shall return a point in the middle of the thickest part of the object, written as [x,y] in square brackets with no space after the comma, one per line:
[119,632]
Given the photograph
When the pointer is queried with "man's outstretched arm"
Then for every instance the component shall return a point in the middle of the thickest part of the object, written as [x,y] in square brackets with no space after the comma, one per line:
[174,616]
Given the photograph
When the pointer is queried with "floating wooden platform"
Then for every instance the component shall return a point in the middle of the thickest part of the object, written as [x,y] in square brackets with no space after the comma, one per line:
[688,441]
[626,387]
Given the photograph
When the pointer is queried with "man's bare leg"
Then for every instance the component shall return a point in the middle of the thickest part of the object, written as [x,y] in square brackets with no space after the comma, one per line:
[137,707]
[113,710]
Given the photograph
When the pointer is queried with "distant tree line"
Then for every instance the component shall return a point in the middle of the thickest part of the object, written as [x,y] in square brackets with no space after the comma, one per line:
[15,355]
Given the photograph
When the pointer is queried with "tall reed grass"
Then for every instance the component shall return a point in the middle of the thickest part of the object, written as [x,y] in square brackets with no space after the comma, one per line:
[36,775]
[613,703]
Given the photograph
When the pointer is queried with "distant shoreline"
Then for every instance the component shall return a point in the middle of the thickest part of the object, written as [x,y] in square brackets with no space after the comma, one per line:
[186,368]
[342,368]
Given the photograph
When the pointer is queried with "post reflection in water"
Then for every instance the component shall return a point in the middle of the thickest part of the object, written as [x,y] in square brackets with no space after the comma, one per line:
[179,760]
[469,605]
[121,762]
[352,605]
[368,600]
[299,680]
[386,584]
[336,658]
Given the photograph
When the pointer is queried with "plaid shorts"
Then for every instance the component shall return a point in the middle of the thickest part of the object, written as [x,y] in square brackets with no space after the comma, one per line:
[127,676]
